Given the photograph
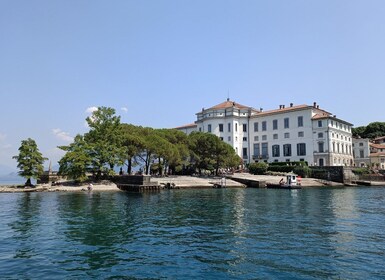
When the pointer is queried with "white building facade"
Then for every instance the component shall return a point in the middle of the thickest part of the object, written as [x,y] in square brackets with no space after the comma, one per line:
[361,152]
[292,133]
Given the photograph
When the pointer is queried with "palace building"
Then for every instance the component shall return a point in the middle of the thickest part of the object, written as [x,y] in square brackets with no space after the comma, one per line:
[286,134]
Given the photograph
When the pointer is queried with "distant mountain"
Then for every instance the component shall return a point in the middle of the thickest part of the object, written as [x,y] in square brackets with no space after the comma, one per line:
[11,179]
[5,169]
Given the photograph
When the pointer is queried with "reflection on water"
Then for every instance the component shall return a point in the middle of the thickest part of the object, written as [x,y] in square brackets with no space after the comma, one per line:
[211,233]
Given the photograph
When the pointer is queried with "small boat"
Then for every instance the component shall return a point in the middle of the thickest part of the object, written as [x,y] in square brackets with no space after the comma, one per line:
[293,181]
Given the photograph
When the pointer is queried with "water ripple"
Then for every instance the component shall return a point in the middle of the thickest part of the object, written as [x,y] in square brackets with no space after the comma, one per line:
[210,234]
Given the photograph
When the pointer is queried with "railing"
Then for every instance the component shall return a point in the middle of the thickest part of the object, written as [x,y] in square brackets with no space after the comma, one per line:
[260,156]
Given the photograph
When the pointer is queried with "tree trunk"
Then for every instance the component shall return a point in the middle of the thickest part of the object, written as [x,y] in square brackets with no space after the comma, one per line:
[129,166]
[28,183]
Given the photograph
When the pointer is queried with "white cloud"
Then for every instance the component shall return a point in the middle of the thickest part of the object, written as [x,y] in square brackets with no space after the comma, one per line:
[124,109]
[90,110]
[6,146]
[62,135]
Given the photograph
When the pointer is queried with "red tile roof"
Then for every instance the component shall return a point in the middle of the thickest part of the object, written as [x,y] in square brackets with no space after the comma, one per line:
[377,146]
[377,154]
[186,126]
[230,104]
[283,110]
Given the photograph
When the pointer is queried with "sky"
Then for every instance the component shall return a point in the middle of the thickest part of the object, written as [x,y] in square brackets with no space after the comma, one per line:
[159,62]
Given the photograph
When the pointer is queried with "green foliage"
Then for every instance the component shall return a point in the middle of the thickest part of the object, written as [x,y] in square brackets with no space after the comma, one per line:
[303,171]
[208,152]
[105,140]
[371,131]
[77,159]
[30,160]
[361,171]
[281,168]
[258,168]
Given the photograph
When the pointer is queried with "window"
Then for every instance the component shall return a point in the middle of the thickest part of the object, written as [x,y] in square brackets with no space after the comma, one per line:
[320,135]
[256,150]
[334,147]
[286,122]
[229,127]
[361,144]
[300,134]
[244,127]
[332,123]
[209,128]
[244,152]
[264,137]
[255,127]
[320,147]
[265,151]
[275,124]
[275,151]
[275,136]
[244,139]
[300,121]
[301,149]
[200,129]
[221,138]
[236,127]
[362,154]
[221,127]
[264,126]
[287,135]
[256,138]
[229,138]
[287,150]
[319,123]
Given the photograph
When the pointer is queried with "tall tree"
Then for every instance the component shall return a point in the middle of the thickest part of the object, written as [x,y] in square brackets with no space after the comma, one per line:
[105,139]
[30,160]
[132,141]
[77,159]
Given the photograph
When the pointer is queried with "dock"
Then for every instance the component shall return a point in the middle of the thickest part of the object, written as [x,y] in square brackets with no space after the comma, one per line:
[136,183]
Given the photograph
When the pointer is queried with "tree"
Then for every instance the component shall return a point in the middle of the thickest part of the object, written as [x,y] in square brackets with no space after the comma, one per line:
[371,131]
[30,160]
[77,159]
[132,141]
[105,139]
[211,153]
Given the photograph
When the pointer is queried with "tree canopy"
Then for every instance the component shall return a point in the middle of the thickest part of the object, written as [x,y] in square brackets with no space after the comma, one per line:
[371,131]
[109,144]
[30,160]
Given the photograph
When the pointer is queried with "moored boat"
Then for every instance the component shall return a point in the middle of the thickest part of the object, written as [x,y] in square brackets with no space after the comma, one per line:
[293,181]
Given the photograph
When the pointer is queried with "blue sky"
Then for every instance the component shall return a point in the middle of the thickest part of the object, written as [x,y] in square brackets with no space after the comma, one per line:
[159,62]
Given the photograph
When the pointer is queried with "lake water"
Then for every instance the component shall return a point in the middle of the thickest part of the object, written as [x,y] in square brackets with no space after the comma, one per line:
[317,233]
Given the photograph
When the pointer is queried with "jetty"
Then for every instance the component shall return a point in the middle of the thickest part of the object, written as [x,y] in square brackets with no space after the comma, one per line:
[136,183]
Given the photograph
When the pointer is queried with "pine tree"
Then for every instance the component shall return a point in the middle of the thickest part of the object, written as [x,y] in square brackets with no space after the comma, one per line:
[30,160]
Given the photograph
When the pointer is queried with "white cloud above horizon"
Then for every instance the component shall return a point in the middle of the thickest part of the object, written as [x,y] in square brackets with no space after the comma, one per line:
[124,109]
[62,135]
[91,109]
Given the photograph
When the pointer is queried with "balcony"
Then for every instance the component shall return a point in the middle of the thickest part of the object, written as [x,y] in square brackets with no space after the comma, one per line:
[260,157]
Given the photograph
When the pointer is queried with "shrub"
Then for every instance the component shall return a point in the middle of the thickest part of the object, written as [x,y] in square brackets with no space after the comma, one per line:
[258,168]
[281,168]
[303,171]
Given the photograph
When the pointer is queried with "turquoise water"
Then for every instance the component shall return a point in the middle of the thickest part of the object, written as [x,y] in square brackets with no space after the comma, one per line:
[194,234]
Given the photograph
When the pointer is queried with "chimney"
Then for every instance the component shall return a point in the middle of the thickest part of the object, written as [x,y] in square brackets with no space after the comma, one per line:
[283,106]
[291,104]
[261,109]
[228,99]
[280,106]
[315,104]
[203,109]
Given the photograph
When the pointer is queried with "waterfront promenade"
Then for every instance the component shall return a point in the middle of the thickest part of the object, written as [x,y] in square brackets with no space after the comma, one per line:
[179,182]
